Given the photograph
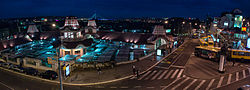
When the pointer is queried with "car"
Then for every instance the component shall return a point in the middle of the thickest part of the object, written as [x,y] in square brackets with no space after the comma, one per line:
[18,68]
[49,74]
[6,65]
[30,71]
[244,87]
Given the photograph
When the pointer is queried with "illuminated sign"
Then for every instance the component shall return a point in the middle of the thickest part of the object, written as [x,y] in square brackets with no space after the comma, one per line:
[248,43]
[159,52]
[238,21]
[168,30]
[67,71]
[226,24]
[244,28]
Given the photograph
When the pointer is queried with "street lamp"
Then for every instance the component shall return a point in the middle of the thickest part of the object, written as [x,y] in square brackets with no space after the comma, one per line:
[53,25]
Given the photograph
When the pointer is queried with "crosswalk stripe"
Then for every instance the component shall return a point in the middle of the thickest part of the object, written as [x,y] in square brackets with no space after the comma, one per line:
[237,76]
[171,83]
[179,75]
[174,73]
[162,74]
[184,76]
[169,73]
[220,82]
[190,84]
[202,82]
[229,79]
[244,74]
[210,84]
[180,84]
[151,75]
[156,75]
[144,75]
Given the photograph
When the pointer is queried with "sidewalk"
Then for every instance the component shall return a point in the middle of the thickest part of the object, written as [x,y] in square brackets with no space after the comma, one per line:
[92,76]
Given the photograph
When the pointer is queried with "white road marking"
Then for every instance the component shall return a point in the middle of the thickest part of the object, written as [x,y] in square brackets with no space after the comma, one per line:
[244,74]
[137,87]
[7,86]
[190,84]
[157,74]
[151,75]
[237,76]
[174,73]
[123,87]
[113,87]
[162,74]
[144,75]
[180,84]
[150,87]
[179,75]
[229,79]
[202,82]
[210,84]
[171,83]
[169,73]
[220,82]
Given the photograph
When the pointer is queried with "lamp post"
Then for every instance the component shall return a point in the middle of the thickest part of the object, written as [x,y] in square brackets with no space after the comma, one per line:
[59,66]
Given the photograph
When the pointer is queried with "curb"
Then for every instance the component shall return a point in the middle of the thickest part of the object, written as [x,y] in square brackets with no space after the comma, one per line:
[88,84]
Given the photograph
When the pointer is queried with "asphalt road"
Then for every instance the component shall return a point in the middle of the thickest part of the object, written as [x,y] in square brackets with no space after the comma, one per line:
[167,75]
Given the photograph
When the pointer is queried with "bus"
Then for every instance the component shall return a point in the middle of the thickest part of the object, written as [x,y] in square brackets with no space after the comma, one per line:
[236,54]
[209,52]
[203,42]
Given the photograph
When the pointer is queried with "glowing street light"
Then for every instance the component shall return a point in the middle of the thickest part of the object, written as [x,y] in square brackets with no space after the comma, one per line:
[183,22]
[166,22]
[54,25]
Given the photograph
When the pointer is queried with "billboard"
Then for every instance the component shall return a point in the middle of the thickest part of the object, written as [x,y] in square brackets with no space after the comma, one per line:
[168,30]
[158,52]
[225,23]
[238,21]
[244,28]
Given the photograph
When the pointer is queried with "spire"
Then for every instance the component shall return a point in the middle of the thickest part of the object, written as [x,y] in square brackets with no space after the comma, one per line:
[32,29]
[91,23]
[159,30]
[71,22]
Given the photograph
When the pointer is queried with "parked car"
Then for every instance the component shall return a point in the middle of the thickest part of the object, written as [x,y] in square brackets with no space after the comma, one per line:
[6,65]
[49,74]
[244,87]
[30,71]
[18,68]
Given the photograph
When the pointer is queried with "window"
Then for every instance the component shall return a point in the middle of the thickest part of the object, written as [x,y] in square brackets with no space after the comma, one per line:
[77,52]
[67,52]
[65,35]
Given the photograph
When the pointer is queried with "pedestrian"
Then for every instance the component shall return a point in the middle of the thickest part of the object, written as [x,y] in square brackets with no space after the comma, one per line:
[99,70]
[134,70]
[137,74]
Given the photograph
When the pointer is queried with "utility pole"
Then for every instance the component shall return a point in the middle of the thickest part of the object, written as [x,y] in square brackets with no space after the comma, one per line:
[59,65]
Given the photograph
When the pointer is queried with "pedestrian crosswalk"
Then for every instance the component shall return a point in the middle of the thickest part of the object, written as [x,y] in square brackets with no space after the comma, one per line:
[188,83]
[160,74]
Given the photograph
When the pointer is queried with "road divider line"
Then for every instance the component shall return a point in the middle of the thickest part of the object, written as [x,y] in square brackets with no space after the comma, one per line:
[190,84]
[220,82]
[157,74]
[202,82]
[174,73]
[229,78]
[162,74]
[7,86]
[210,84]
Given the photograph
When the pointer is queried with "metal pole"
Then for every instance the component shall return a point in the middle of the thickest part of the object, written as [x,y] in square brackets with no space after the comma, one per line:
[59,67]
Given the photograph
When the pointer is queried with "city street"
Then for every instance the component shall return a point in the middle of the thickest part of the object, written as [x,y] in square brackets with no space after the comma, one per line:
[172,73]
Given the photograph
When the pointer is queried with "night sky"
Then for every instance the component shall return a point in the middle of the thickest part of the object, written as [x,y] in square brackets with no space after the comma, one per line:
[120,8]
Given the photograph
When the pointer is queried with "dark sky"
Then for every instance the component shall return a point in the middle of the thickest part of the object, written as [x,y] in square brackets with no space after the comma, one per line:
[120,8]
